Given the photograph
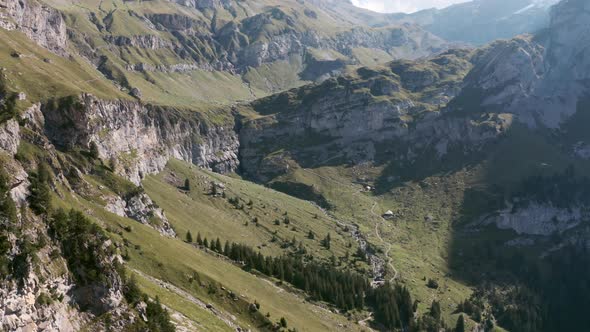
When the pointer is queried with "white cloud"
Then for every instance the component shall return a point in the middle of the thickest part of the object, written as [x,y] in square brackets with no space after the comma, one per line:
[406,6]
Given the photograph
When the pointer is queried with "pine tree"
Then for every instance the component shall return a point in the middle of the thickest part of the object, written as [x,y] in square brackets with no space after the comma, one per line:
[283,322]
[460,326]
[311,235]
[218,247]
[189,237]
[326,242]
[205,243]
[40,196]
[199,239]
[435,310]
[7,206]
[93,150]
[187,184]
[226,249]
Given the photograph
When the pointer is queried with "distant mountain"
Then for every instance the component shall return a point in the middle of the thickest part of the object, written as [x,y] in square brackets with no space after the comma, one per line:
[481,21]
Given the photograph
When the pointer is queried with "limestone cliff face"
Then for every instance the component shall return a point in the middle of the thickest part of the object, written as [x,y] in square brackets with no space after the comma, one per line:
[540,78]
[537,219]
[357,118]
[150,42]
[140,207]
[9,136]
[353,125]
[39,22]
[406,42]
[43,302]
[140,139]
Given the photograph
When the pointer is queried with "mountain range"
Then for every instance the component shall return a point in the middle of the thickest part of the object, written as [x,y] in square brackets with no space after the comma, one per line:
[305,165]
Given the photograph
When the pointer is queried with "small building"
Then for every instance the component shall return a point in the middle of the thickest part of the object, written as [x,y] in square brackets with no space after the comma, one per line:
[388,215]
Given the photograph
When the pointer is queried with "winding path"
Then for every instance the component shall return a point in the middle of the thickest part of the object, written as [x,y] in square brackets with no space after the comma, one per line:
[355,228]
[389,260]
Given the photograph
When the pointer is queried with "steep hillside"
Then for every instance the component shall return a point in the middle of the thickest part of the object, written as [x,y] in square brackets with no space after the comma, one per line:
[181,53]
[433,186]
[494,168]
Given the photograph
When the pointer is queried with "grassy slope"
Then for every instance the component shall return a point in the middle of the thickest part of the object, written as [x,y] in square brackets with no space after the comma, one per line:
[174,261]
[203,319]
[42,74]
[418,249]
[198,211]
[196,88]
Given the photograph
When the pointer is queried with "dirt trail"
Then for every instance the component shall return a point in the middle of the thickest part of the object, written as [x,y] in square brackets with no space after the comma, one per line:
[383,221]
[376,262]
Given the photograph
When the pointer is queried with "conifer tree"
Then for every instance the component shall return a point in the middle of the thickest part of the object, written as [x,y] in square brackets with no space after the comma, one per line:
[218,247]
[189,237]
[460,326]
[40,196]
[93,150]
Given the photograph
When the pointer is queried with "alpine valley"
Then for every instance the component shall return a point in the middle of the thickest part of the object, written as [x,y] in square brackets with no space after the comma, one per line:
[294,165]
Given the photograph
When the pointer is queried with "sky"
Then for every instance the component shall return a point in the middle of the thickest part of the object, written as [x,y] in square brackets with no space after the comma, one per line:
[406,6]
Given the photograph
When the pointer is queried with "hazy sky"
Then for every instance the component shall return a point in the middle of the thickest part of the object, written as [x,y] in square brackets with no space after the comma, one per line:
[407,6]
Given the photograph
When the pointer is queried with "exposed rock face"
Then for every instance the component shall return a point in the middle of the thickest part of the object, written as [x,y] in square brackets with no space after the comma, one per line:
[537,219]
[140,207]
[347,126]
[177,68]
[407,42]
[203,4]
[151,42]
[19,310]
[539,79]
[45,298]
[9,136]
[354,119]
[40,23]
[141,139]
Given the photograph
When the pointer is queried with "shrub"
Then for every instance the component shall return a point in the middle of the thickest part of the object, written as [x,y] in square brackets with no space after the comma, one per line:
[432,284]
[43,300]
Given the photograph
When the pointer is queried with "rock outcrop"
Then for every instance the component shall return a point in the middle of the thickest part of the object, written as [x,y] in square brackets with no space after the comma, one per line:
[9,136]
[536,219]
[138,139]
[150,42]
[140,207]
[540,78]
[41,23]
[355,119]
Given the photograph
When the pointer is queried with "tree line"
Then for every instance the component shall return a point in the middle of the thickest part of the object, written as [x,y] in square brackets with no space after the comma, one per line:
[344,289]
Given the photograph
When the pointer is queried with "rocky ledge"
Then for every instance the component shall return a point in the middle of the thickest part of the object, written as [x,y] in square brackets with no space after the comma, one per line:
[139,139]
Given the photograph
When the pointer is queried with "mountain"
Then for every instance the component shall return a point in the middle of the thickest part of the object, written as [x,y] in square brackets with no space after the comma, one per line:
[155,50]
[482,21]
[484,146]
[271,166]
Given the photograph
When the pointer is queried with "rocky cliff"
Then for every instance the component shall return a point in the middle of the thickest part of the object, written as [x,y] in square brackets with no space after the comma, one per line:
[39,22]
[356,119]
[542,78]
[140,139]
[480,22]
[186,37]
